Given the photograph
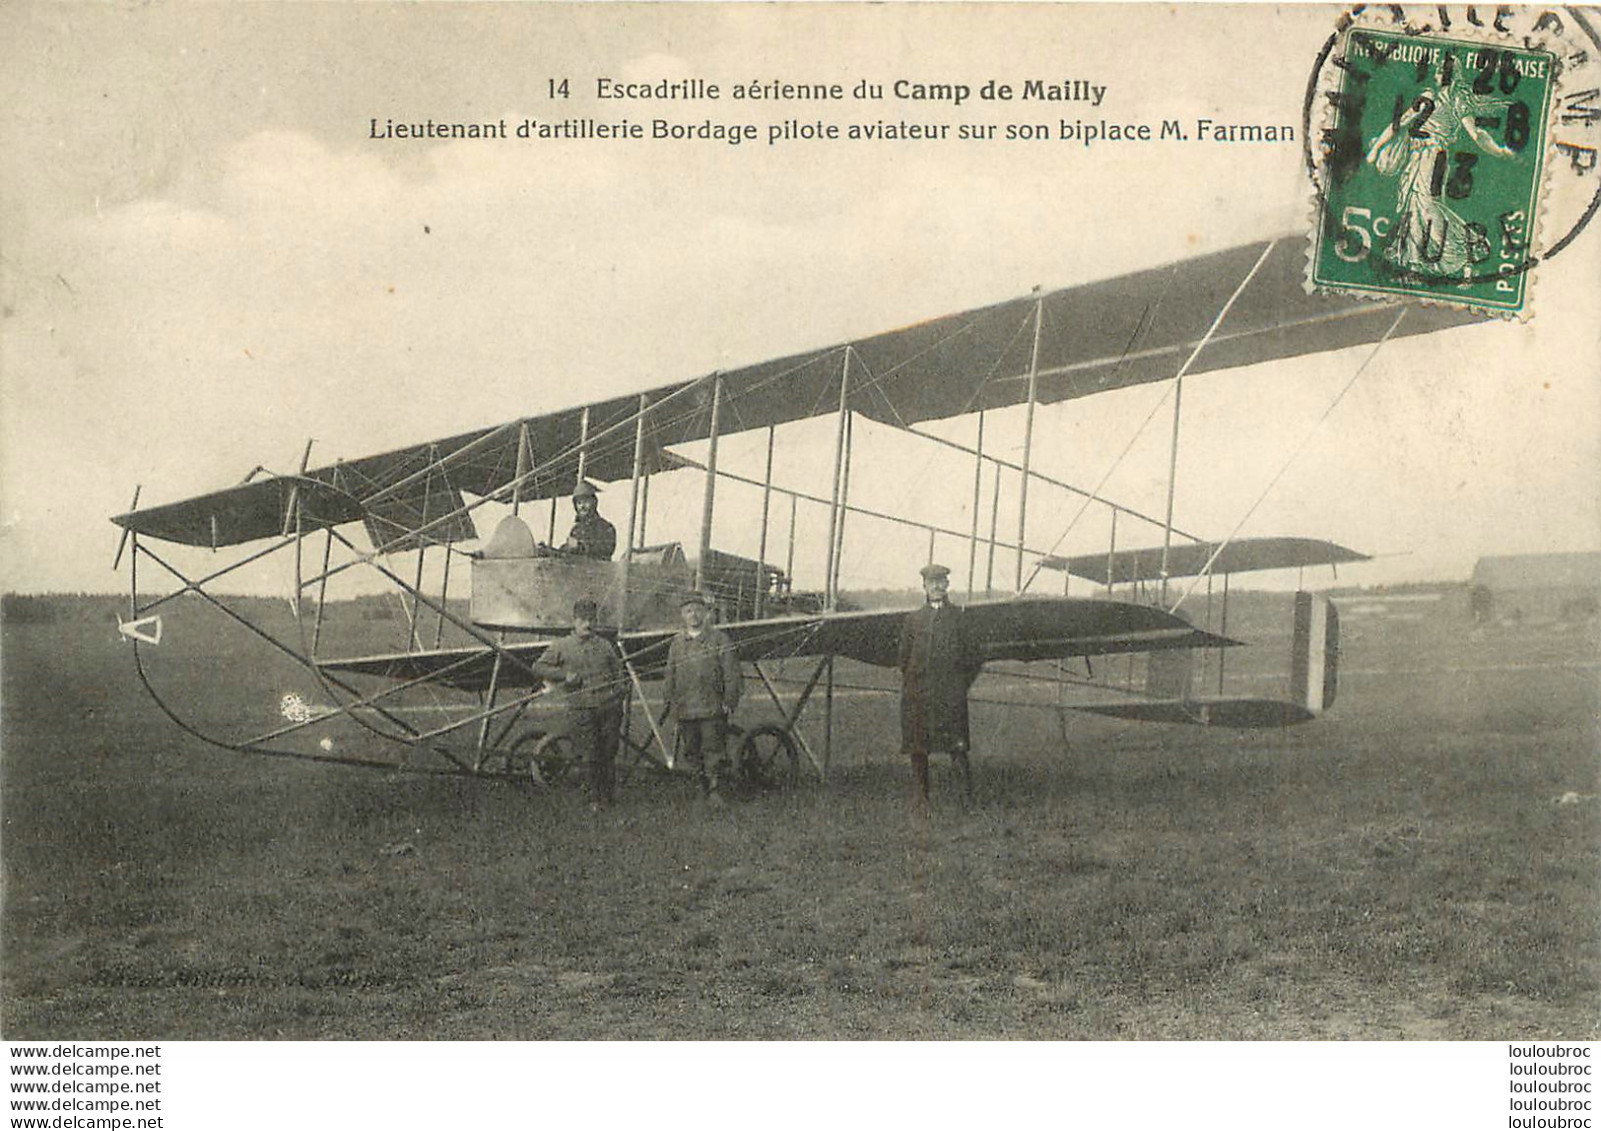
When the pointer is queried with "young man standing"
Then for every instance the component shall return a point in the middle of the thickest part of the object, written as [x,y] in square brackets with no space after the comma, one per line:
[702,688]
[591,671]
[939,661]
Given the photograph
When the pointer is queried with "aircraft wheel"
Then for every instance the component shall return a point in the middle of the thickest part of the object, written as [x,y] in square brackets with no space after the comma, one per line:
[768,758]
[517,756]
[552,761]
[545,759]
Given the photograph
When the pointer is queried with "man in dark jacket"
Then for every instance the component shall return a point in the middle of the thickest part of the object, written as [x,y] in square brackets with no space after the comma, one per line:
[702,686]
[591,536]
[939,661]
[588,667]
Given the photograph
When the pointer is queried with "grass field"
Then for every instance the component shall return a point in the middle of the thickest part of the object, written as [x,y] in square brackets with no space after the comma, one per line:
[1404,868]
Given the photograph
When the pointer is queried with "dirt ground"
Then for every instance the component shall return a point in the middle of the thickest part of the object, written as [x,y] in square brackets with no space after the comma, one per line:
[1425,862]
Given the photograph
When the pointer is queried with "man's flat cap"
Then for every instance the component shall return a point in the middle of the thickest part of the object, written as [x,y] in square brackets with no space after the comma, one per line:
[585,609]
[933,570]
[695,597]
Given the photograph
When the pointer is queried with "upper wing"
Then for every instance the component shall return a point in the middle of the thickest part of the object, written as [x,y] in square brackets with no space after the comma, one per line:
[245,513]
[1095,337]
[1030,629]
[1188,559]
[1106,335]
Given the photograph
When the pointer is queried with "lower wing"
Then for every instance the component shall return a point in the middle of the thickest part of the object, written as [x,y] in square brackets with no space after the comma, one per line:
[1036,628]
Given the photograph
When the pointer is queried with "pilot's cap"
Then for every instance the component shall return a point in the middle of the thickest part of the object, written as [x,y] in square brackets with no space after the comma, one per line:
[585,490]
[585,609]
[695,597]
[933,571]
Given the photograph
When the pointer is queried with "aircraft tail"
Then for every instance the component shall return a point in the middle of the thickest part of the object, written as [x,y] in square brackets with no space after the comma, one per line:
[1314,675]
[1315,653]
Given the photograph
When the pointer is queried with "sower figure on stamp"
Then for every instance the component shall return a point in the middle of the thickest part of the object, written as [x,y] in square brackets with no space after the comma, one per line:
[591,671]
[939,662]
[702,687]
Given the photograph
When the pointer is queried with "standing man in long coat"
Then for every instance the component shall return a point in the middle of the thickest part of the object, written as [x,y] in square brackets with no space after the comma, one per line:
[939,660]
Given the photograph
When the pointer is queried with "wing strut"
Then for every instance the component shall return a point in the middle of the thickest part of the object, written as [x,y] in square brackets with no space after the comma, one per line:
[633,505]
[1087,495]
[197,589]
[709,494]
[995,521]
[830,597]
[845,507]
[978,480]
[484,723]
[789,557]
[1178,399]
[524,460]
[844,500]
[767,506]
[792,715]
[509,488]
[1400,314]
[1111,552]
[583,443]
[1093,496]
[655,728]
[461,454]
[1028,436]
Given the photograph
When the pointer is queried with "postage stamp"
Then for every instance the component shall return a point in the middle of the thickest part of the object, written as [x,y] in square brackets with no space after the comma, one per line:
[1434,162]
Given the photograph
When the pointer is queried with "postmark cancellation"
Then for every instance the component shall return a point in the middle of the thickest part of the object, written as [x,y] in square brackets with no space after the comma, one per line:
[1433,152]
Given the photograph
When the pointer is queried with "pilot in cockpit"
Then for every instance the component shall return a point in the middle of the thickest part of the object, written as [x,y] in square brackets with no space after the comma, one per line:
[592,536]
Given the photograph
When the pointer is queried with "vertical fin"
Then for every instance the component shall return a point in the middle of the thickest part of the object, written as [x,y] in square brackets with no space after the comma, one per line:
[1315,653]
[1331,653]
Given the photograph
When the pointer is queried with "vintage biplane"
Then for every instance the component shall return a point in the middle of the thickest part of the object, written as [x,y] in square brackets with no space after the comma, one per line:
[456,692]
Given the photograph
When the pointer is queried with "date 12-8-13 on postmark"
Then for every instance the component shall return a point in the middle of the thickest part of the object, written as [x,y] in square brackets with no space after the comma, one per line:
[1432,171]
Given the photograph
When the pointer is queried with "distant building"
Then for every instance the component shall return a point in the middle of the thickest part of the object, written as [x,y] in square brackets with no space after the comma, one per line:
[1388,606]
[1536,587]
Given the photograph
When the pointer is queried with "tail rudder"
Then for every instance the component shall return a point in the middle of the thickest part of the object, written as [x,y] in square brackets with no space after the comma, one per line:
[1315,653]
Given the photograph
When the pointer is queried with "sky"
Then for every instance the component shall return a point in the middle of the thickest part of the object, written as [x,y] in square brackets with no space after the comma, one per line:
[207,260]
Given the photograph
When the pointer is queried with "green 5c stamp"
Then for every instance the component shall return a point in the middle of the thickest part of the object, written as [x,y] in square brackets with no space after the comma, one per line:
[1433,161]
